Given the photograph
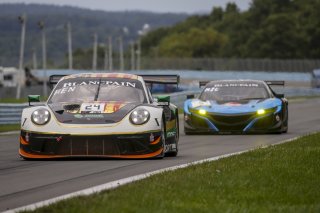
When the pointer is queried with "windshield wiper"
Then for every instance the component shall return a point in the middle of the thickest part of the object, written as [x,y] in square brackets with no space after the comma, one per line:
[98,90]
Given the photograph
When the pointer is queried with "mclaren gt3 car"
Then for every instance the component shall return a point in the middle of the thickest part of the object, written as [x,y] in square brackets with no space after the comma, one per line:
[101,115]
[237,106]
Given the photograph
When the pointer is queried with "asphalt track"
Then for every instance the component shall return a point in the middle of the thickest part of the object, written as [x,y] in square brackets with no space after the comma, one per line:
[25,182]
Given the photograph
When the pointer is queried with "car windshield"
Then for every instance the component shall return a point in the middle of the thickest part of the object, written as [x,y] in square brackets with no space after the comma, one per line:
[78,90]
[234,91]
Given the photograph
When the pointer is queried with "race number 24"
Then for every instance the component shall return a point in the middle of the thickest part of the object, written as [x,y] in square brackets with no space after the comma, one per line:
[92,108]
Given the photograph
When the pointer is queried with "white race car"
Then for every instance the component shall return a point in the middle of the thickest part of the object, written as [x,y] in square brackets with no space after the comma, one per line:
[101,115]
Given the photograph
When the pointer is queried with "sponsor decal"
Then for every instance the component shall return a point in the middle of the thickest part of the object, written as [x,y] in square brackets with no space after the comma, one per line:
[59,139]
[113,107]
[197,103]
[170,147]
[212,89]
[235,85]
[232,104]
[93,116]
[151,137]
[88,116]
[216,87]
[102,82]
[171,133]
[27,137]
[78,116]
[69,87]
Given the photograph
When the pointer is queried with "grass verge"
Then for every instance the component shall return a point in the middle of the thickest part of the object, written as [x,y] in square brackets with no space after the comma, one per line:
[9,127]
[19,101]
[282,178]
[13,100]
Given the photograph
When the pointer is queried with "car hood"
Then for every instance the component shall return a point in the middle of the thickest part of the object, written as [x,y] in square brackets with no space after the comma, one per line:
[233,107]
[91,112]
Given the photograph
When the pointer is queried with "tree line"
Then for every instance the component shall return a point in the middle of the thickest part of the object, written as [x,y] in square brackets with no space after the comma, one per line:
[274,29]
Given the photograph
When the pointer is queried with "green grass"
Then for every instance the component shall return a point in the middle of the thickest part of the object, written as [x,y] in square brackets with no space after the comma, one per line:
[282,178]
[21,100]
[13,100]
[9,127]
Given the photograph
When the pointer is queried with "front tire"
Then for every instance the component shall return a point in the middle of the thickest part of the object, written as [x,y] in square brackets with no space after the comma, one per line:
[163,138]
[176,141]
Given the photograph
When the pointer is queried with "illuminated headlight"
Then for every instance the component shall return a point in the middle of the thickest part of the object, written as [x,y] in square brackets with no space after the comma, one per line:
[40,116]
[139,116]
[261,112]
[202,112]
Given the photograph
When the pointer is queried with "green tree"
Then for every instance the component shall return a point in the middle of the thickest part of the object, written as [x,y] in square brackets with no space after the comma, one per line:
[194,43]
[277,38]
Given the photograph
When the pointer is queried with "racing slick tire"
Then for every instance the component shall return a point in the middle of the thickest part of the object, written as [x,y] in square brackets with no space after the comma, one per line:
[176,140]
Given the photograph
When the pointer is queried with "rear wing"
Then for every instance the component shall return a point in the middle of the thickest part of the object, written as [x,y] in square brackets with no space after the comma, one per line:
[161,79]
[149,79]
[54,79]
[275,83]
[203,83]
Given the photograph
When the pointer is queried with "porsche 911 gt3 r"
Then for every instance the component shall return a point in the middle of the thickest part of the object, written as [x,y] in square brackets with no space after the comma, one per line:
[101,115]
[237,106]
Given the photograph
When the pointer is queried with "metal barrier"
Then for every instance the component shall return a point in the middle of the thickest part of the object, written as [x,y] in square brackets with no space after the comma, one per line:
[11,113]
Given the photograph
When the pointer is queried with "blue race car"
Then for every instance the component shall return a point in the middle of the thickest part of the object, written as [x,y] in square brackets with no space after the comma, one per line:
[236,106]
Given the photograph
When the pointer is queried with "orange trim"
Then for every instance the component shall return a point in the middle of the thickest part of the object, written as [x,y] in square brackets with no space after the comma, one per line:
[28,155]
[150,155]
[23,141]
[156,141]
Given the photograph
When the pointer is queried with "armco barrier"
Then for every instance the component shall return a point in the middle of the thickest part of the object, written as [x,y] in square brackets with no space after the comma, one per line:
[11,113]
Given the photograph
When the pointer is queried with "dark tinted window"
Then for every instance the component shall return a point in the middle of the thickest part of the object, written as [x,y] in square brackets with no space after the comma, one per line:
[233,91]
[77,90]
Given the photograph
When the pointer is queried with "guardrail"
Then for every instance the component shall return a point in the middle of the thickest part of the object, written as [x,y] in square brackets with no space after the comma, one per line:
[11,113]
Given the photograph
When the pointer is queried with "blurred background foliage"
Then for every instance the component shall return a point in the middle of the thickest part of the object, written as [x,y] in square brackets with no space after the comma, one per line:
[286,29]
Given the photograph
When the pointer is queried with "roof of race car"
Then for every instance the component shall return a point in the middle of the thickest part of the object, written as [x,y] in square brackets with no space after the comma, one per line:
[102,75]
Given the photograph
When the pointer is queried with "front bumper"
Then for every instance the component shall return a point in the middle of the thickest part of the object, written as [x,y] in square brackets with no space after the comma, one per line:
[42,146]
[233,124]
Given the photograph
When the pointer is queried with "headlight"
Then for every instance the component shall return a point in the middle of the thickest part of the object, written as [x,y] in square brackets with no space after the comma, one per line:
[40,116]
[139,116]
[261,112]
[202,112]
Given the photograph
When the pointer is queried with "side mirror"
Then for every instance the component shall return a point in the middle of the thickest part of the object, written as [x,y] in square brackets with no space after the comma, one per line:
[190,96]
[33,98]
[163,100]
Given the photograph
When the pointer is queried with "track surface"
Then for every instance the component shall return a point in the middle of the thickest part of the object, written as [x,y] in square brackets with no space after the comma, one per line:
[25,182]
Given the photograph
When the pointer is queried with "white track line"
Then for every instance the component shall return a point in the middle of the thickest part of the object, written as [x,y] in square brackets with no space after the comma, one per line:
[10,133]
[117,183]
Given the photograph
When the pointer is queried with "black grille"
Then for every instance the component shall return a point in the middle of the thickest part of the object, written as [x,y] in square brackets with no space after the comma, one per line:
[92,145]
[102,146]
[228,122]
